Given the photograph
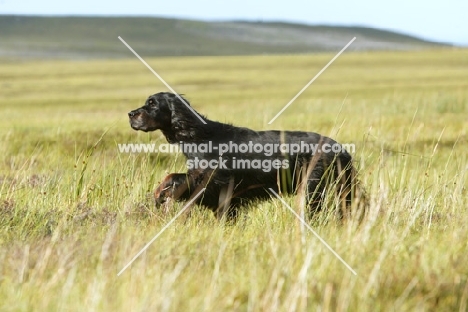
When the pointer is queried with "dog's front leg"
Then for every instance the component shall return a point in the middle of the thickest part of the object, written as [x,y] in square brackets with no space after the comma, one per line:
[173,187]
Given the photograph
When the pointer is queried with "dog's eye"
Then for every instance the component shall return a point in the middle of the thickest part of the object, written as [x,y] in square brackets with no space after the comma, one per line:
[151,102]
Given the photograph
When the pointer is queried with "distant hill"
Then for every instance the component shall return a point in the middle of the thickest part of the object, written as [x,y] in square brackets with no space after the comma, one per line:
[96,37]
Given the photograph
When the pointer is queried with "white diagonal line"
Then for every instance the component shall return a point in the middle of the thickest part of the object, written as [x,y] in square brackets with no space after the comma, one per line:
[313,79]
[162,80]
[160,232]
[313,232]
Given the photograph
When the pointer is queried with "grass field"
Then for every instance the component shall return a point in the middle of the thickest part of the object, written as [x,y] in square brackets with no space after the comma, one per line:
[74,211]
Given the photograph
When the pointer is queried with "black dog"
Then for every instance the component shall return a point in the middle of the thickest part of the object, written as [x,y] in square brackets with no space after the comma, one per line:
[235,177]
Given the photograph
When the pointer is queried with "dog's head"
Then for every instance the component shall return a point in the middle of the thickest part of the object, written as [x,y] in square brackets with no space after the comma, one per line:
[157,113]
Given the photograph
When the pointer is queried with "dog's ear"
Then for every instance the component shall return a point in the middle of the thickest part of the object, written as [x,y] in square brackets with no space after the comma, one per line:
[182,99]
[183,120]
[178,103]
[173,107]
[180,111]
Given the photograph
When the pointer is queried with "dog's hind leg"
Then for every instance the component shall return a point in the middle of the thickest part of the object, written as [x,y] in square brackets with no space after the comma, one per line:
[225,197]
[315,192]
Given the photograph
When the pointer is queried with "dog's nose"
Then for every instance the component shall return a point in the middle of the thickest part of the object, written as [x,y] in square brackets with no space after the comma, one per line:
[131,114]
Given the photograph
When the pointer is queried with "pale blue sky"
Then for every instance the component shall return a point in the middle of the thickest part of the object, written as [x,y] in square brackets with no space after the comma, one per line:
[437,20]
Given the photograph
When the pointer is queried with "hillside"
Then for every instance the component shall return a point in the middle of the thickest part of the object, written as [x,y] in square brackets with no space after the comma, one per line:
[96,37]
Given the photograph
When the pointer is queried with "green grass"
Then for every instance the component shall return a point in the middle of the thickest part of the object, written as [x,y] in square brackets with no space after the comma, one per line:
[73,211]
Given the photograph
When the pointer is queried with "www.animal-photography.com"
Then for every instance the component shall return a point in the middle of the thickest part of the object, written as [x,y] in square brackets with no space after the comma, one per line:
[236,156]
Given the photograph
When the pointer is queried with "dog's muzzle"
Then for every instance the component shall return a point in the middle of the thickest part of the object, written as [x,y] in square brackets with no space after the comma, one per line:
[132,114]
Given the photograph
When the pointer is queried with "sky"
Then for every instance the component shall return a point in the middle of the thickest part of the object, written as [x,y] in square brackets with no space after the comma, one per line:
[445,21]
